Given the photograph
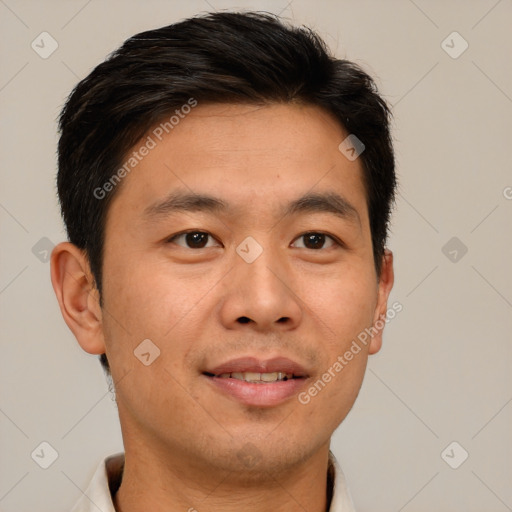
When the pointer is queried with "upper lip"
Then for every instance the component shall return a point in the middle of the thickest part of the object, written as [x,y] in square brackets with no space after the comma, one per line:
[253,364]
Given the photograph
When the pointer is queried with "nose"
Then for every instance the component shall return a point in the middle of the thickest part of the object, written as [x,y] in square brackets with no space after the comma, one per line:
[260,296]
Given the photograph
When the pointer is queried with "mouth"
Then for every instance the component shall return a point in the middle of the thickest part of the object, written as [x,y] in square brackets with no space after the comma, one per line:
[258,383]
[256,377]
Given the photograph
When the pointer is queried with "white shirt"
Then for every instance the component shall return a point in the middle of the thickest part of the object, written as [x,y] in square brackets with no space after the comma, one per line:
[107,478]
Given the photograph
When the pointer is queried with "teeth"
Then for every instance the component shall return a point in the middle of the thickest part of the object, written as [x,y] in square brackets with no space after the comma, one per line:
[257,377]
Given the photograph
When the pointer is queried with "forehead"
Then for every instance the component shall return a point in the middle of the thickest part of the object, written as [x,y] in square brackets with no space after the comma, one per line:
[243,154]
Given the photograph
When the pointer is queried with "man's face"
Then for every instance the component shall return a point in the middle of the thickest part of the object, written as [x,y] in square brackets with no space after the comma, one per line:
[212,309]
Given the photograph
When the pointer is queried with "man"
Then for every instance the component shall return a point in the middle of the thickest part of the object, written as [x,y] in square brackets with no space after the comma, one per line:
[226,186]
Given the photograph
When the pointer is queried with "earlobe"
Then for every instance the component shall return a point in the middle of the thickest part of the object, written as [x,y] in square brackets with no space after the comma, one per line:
[386,281]
[78,297]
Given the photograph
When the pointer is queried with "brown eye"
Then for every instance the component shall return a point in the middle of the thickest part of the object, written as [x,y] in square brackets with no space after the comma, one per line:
[315,241]
[192,239]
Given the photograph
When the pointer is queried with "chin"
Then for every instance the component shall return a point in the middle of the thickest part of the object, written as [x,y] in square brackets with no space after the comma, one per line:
[254,459]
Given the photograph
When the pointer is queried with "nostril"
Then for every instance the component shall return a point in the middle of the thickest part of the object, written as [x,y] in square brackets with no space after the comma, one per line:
[283,319]
[244,320]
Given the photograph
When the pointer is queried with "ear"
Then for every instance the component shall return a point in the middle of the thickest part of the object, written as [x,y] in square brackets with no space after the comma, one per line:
[386,280]
[78,296]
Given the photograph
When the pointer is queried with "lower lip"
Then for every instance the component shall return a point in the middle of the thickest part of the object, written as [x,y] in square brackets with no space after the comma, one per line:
[260,395]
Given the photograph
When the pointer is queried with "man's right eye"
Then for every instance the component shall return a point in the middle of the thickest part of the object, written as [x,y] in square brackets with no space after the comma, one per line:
[192,239]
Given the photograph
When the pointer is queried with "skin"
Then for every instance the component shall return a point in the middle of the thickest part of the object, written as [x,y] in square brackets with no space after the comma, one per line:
[183,438]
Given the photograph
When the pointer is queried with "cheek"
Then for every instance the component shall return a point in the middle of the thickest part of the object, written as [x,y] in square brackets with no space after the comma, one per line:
[145,299]
[343,302]
[143,294]
[342,308]
[143,302]
[329,398]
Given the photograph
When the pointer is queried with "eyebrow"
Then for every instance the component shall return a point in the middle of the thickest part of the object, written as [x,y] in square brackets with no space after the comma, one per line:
[327,202]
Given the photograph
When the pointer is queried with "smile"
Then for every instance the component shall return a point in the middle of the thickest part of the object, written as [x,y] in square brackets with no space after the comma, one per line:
[258,383]
[260,378]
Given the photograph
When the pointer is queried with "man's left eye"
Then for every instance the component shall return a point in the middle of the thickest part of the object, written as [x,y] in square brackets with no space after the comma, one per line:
[316,241]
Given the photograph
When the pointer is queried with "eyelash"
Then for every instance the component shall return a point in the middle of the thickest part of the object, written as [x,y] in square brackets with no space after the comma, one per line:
[334,239]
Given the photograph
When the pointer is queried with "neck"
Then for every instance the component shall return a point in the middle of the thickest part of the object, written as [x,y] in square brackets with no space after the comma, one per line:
[170,484]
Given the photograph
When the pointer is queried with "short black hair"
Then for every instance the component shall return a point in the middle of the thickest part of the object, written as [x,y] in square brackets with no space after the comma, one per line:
[223,57]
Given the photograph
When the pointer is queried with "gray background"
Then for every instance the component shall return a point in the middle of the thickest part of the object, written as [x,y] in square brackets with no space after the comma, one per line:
[443,374]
